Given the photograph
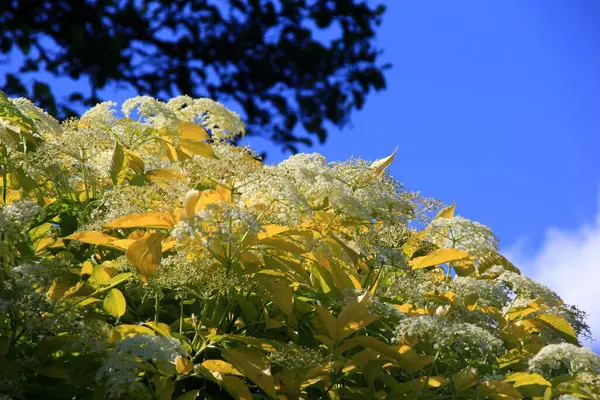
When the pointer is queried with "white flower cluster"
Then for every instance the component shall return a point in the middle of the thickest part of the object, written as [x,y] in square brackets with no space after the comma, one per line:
[15,217]
[297,358]
[102,114]
[343,187]
[489,293]
[221,221]
[461,233]
[223,123]
[44,122]
[527,289]
[460,340]
[120,369]
[565,355]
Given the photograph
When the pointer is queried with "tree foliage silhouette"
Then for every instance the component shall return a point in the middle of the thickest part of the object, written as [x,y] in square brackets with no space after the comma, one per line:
[268,56]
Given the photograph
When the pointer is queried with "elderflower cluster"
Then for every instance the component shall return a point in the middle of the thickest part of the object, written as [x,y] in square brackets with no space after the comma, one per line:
[565,355]
[488,293]
[527,289]
[453,339]
[461,233]
[120,369]
[220,222]
[223,123]
[15,217]
[297,358]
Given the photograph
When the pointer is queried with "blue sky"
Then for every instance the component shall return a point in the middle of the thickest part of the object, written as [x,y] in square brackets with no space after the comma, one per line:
[494,105]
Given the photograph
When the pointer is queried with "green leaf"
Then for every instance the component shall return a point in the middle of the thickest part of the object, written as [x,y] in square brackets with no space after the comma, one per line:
[114,303]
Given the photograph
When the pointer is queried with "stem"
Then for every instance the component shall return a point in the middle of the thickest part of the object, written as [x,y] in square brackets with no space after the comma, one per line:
[156,305]
[102,290]
[181,318]
[437,354]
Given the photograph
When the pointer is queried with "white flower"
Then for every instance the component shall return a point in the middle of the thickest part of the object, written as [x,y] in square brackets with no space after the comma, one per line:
[527,289]
[44,122]
[223,123]
[574,358]
[102,114]
[121,368]
[452,339]
[489,293]
[461,233]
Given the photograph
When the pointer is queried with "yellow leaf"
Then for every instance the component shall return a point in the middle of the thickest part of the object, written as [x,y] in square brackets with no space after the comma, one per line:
[126,329]
[191,131]
[526,378]
[352,318]
[278,289]
[560,325]
[252,365]
[380,165]
[87,268]
[135,162]
[157,220]
[465,378]
[499,390]
[101,275]
[447,212]
[222,367]
[95,238]
[284,245]
[439,256]
[183,365]
[272,230]
[114,303]
[159,327]
[328,321]
[145,254]
[163,174]
[189,202]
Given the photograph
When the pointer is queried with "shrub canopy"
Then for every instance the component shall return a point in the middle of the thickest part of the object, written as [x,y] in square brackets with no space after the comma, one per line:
[146,257]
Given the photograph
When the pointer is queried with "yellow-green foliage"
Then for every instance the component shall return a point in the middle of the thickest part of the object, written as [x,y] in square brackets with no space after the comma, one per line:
[147,257]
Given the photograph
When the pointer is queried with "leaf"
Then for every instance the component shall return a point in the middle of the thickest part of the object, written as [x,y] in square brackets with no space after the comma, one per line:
[328,321]
[114,303]
[446,212]
[87,268]
[222,367]
[439,256]
[191,131]
[278,289]
[526,378]
[189,202]
[560,325]
[380,165]
[183,365]
[163,174]
[352,318]
[272,230]
[251,364]
[159,327]
[95,238]
[190,395]
[118,165]
[465,378]
[135,162]
[100,274]
[237,388]
[156,220]
[145,254]
[499,390]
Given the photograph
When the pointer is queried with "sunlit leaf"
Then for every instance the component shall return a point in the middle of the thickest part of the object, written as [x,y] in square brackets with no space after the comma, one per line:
[439,256]
[114,303]
[145,254]
[157,220]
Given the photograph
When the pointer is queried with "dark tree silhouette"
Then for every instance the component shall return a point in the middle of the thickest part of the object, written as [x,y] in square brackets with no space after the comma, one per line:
[267,55]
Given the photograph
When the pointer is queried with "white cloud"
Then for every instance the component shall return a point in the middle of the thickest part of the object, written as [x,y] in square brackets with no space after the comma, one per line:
[569,263]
